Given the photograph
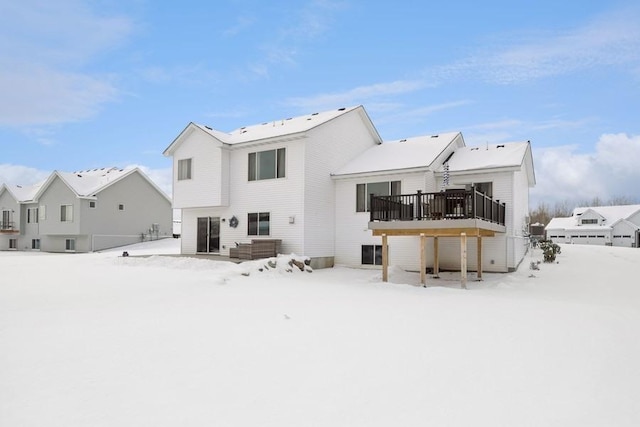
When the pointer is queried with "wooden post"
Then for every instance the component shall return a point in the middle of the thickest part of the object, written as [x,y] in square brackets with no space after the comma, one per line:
[385,259]
[423,260]
[463,260]
[436,260]
[479,258]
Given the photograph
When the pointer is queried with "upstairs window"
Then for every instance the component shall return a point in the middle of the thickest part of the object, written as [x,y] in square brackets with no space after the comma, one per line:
[32,216]
[184,169]
[589,221]
[363,191]
[268,164]
[66,213]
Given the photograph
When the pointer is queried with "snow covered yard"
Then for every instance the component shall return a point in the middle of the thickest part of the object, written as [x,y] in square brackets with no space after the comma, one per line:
[100,340]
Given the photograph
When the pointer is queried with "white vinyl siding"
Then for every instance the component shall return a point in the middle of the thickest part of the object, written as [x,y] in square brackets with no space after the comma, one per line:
[42,212]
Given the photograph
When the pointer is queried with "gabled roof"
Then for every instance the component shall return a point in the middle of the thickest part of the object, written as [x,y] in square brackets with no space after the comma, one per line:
[610,213]
[21,193]
[403,154]
[493,156]
[88,183]
[271,129]
[627,222]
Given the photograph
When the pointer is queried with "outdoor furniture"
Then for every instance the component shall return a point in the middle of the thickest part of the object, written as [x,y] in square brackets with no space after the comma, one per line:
[258,248]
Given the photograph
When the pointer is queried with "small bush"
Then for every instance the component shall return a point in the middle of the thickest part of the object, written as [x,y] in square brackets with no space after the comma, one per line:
[549,250]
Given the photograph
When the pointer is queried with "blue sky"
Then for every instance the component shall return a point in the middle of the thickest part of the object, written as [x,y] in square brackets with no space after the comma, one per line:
[89,84]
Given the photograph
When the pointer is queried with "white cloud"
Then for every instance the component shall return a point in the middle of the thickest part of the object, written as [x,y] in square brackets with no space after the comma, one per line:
[306,24]
[44,48]
[21,175]
[610,40]
[565,174]
[355,96]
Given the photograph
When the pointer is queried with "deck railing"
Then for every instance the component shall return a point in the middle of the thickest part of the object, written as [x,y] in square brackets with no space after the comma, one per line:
[6,225]
[435,206]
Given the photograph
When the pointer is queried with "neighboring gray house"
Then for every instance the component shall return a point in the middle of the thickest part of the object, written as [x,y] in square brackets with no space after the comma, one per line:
[598,225]
[84,211]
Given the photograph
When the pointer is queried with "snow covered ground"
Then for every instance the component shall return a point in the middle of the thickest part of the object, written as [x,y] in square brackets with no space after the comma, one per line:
[101,340]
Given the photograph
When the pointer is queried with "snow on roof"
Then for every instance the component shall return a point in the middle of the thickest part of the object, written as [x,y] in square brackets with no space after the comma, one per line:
[88,182]
[488,156]
[400,154]
[276,128]
[561,223]
[610,213]
[23,193]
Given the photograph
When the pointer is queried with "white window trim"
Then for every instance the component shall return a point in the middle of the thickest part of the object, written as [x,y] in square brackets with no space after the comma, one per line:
[68,217]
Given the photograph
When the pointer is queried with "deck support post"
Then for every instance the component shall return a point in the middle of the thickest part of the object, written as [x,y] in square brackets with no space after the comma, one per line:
[423,260]
[463,260]
[436,260]
[479,274]
[385,259]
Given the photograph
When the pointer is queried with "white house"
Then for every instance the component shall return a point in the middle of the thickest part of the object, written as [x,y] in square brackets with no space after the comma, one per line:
[307,182]
[84,211]
[598,225]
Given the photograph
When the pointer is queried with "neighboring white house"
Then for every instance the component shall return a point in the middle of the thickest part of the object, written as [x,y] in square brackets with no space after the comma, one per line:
[306,181]
[598,225]
[84,211]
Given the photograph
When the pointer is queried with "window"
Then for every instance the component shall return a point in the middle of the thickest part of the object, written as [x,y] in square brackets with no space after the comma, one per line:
[363,191]
[121,206]
[589,221]
[92,205]
[372,254]
[258,224]
[32,215]
[70,245]
[13,243]
[66,213]
[267,164]
[184,169]
[35,244]
[6,220]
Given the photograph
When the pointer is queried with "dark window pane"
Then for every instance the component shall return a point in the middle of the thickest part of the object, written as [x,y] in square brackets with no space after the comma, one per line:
[252,224]
[252,166]
[361,197]
[367,254]
[395,188]
[263,225]
[281,162]
[267,164]
[378,255]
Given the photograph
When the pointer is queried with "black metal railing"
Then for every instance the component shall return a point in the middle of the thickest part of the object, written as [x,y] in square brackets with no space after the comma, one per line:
[434,206]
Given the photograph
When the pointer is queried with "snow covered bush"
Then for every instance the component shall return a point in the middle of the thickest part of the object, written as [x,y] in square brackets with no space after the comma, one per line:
[549,250]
